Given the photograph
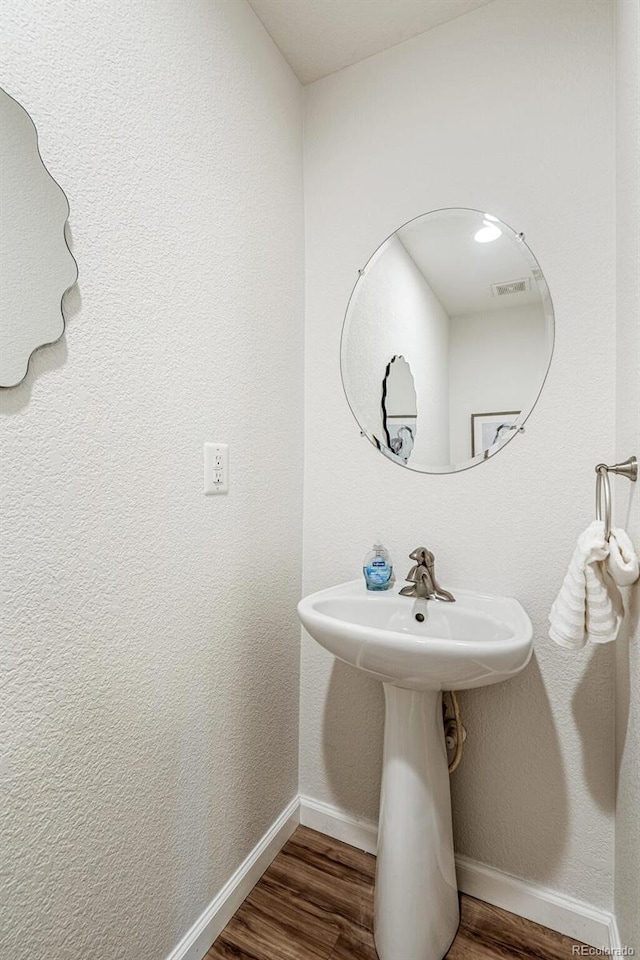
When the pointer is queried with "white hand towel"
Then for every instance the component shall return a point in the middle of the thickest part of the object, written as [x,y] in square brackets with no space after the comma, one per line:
[622,562]
[589,604]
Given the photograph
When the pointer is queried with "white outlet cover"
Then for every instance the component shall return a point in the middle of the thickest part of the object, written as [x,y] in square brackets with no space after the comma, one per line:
[216,468]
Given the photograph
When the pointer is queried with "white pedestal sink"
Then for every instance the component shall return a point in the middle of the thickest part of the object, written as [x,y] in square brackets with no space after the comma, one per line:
[473,642]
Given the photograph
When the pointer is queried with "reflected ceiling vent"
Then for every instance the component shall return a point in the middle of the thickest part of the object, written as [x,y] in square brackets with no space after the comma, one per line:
[511,286]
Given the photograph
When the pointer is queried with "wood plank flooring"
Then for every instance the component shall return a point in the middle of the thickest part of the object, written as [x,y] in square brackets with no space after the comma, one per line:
[315,902]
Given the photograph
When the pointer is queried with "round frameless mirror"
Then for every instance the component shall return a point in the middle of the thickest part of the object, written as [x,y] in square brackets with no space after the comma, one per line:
[447,340]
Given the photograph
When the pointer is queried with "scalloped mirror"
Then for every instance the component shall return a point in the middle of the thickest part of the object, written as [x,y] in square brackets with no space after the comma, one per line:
[36,265]
[447,340]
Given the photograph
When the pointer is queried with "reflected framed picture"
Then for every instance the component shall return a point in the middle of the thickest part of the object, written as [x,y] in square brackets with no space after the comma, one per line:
[401,431]
[489,431]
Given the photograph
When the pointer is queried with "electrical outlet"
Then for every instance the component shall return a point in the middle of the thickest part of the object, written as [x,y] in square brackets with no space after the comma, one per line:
[216,468]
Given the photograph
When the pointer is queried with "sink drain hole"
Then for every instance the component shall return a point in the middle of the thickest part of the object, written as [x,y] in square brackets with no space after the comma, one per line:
[419,617]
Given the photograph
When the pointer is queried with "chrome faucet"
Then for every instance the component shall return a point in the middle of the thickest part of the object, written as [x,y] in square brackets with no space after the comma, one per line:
[422,578]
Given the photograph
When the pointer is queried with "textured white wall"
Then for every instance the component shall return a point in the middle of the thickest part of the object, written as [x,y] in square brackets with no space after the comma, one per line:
[627,876]
[149,654]
[508,108]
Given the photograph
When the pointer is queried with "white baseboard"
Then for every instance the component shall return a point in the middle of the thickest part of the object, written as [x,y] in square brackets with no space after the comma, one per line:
[214,919]
[573,918]
[615,943]
[341,826]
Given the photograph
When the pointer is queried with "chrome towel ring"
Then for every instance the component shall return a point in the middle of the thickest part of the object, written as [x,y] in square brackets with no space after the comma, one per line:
[629,469]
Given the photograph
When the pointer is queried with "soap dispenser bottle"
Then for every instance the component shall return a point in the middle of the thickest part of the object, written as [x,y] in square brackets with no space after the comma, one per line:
[378,568]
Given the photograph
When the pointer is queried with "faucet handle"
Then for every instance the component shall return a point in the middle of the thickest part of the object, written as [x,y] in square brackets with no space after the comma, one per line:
[423,556]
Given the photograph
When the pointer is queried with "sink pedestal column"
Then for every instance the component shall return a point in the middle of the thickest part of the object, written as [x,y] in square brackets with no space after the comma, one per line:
[416,893]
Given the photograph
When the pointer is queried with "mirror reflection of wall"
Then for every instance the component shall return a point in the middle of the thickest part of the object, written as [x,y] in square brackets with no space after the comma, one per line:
[509,346]
[459,299]
[36,265]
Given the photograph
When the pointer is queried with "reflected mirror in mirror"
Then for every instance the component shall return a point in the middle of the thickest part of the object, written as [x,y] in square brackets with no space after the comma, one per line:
[36,265]
[447,340]
[399,409]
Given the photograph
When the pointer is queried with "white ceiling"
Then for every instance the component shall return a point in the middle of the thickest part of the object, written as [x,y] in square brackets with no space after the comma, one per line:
[460,271]
[318,37]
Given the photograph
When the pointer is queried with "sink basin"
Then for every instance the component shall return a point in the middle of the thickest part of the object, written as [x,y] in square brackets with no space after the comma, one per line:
[470,643]
[418,648]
